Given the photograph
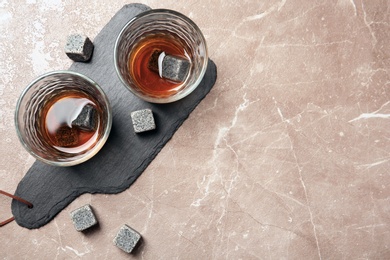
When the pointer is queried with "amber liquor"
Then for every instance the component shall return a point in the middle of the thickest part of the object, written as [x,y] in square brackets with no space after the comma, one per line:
[60,122]
[146,79]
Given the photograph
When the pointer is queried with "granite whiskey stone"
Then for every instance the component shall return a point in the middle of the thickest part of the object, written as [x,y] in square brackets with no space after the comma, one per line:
[127,238]
[175,68]
[153,61]
[87,120]
[143,120]
[79,47]
[83,218]
[66,137]
[168,66]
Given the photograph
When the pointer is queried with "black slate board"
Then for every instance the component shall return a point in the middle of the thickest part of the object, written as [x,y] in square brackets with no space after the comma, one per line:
[125,155]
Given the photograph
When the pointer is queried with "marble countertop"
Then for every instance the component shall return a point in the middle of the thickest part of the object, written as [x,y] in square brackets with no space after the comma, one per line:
[287,157]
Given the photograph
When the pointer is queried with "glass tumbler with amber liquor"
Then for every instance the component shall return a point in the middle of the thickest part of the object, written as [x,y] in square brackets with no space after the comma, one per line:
[63,118]
[161,56]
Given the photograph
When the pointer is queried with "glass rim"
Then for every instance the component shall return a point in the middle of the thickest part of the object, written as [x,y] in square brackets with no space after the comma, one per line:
[89,154]
[179,95]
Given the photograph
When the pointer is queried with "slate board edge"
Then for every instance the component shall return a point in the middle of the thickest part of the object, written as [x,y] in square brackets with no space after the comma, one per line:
[58,207]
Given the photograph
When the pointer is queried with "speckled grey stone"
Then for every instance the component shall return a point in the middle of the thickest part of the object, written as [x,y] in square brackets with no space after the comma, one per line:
[87,120]
[127,238]
[143,120]
[172,67]
[79,47]
[175,68]
[83,218]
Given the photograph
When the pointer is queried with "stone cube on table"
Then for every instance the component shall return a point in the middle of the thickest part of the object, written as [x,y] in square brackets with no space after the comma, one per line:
[79,47]
[143,120]
[127,238]
[83,218]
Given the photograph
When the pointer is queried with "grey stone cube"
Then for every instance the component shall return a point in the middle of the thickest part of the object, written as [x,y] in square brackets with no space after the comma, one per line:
[83,218]
[127,238]
[79,47]
[143,120]
[175,68]
[168,66]
[66,136]
[87,120]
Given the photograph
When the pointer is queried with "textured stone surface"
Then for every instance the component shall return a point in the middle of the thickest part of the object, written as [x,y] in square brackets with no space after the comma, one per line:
[286,158]
[172,67]
[83,218]
[87,119]
[175,68]
[79,47]
[143,120]
[66,137]
[127,238]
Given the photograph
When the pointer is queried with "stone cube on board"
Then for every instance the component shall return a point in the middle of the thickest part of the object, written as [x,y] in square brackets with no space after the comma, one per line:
[83,218]
[143,120]
[79,47]
[127,238]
